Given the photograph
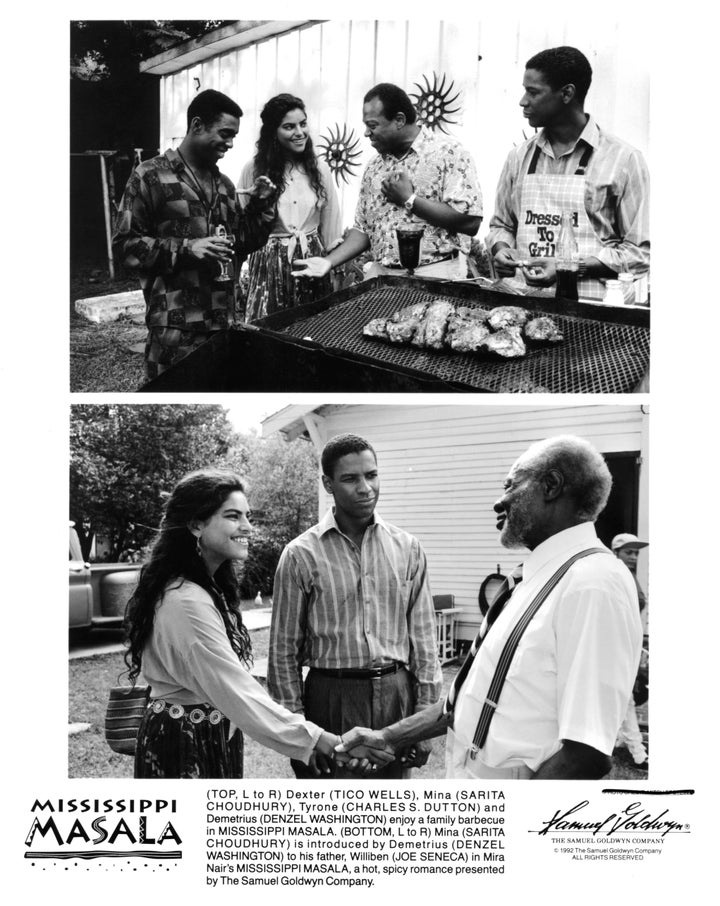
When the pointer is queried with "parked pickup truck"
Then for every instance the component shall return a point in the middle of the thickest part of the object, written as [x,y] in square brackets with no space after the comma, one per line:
[98,591]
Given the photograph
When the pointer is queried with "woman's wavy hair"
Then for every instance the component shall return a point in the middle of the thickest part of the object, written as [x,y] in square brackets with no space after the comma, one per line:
[174,557]
[270,159]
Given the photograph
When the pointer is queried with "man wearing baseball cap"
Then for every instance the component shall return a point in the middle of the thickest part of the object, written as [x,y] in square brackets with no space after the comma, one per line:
[626,547]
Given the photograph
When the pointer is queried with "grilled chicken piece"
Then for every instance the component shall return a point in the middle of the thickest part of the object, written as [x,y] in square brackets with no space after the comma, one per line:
[403,324]
[468,337]
[466,329]
[543,329]
[431,332]
[464,315]
[507,343]
[507,316]
[377,329]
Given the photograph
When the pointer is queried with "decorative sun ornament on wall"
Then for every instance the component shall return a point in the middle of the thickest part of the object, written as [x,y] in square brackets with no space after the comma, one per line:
[340,151]
[434,103]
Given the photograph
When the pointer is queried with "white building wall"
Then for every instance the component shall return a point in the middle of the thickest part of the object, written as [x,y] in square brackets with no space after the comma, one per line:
[442,468]
[331,66]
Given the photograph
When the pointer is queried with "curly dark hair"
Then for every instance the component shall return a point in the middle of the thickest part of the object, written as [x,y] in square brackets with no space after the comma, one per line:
[174,558]
[270,159]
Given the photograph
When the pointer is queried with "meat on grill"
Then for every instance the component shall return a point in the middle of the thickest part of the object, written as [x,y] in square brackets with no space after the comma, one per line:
[507,316]
[466,329]
[377,329]
[431,332]
[402,326]
[463,315]
[543,330]
[507,343]
[441,325]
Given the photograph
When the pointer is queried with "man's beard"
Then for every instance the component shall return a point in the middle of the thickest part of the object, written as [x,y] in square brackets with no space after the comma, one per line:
[517,523]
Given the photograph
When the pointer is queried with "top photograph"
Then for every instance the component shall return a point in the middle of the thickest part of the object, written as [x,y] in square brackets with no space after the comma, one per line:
[359,206]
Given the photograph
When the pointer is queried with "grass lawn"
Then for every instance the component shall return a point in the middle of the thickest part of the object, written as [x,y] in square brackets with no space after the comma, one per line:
[100,356]
[89,755]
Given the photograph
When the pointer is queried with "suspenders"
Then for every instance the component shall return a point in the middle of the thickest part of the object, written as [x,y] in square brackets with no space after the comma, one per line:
[511,644]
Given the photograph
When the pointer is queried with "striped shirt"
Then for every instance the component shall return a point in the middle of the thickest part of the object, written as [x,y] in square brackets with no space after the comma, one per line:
[617,194]
[339,606]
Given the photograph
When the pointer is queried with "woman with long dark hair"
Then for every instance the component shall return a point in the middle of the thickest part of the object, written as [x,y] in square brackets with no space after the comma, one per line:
[308,214]
[185,632]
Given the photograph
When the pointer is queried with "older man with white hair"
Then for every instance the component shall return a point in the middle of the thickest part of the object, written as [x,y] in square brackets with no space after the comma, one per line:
[546,684]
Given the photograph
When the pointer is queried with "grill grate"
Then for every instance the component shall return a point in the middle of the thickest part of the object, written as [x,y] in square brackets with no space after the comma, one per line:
[594,357]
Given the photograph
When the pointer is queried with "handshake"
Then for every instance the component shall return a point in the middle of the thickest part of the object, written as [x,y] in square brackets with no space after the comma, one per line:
[363,751]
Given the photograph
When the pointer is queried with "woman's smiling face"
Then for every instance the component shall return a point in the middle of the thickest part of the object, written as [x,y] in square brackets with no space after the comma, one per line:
[225,535]
[292,133]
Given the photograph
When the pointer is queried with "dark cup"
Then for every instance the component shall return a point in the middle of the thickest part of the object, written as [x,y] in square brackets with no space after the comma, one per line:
[409,239]
[566,285]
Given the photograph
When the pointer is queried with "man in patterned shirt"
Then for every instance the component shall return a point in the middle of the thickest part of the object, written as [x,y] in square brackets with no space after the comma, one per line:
[417,176]
[571,164]
[352,602]
[170,211]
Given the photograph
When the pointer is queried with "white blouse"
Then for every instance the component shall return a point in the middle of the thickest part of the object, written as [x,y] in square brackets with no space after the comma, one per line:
[297,210]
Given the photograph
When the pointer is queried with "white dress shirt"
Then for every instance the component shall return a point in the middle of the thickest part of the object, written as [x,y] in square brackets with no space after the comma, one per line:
[573,670]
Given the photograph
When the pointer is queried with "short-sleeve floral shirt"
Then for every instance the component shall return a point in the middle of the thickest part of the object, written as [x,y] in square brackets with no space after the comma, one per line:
[441,170]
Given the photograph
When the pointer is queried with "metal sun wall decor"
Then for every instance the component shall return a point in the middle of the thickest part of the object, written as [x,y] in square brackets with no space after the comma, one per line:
[340,151]
[434,103]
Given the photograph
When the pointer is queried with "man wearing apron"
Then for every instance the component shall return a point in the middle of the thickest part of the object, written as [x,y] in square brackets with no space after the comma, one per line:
[573,165]
[546,684]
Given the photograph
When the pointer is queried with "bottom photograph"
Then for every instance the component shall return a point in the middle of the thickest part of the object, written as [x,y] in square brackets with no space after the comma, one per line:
[370,592]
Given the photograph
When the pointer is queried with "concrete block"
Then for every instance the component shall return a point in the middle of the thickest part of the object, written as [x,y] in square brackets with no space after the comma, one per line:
[101,309]
[74,729]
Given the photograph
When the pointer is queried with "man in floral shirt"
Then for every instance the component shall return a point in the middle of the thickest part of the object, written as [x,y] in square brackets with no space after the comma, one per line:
[170,211]
[417,177]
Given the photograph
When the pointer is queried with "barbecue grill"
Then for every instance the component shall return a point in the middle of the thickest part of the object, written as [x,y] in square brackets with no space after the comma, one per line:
[321,346]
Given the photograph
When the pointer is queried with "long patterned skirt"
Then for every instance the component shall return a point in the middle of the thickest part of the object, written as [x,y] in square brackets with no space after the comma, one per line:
[179,747]
[272,286]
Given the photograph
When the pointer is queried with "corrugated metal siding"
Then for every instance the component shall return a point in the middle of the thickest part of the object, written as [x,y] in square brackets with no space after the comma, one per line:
[333,64]
[442,468]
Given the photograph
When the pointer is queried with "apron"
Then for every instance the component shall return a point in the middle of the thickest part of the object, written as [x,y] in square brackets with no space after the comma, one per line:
[543,198]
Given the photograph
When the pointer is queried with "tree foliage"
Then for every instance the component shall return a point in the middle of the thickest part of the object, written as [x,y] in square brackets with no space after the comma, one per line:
[284,485]
[124,459]
[102,48]
[113,106]
[283,497]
